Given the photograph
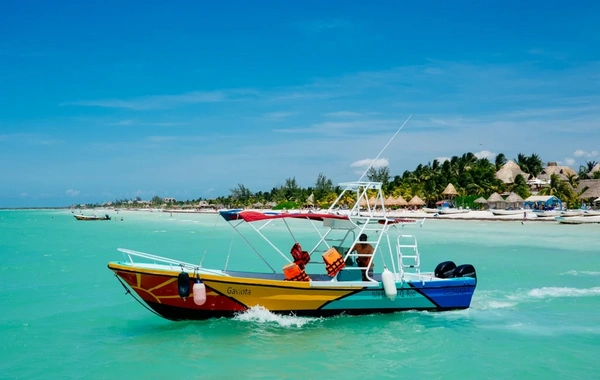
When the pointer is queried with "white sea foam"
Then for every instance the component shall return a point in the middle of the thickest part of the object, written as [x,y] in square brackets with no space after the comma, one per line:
[581,273]
[259,314]
[486,300]
[557,292]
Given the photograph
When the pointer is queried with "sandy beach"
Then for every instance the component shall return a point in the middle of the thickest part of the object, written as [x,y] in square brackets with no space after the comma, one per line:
[475,215]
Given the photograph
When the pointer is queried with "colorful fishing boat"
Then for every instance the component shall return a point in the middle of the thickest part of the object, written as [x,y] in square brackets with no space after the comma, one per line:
[358,262]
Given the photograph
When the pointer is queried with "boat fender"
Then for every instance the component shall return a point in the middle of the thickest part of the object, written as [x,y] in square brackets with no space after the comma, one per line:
[389,284]
[183,284]
[445,269]
[465,270]
[199,292]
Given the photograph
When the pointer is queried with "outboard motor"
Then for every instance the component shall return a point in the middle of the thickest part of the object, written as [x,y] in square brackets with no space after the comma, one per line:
[465,270]
[445,269]
[183,284]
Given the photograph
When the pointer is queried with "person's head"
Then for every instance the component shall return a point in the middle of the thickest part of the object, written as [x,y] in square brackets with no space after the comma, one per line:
[362,237]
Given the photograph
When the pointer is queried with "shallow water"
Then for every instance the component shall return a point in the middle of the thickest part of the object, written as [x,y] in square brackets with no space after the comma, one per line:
[536,310]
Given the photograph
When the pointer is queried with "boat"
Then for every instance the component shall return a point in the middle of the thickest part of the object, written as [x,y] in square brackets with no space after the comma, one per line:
[546,213]
[500,212]
[431,210]
[92,217]
[327,278]
[568,213]
[452,210]
[577,220]
[591,213]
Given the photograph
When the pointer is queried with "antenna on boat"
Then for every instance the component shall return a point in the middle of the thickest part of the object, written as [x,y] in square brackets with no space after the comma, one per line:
[386,145]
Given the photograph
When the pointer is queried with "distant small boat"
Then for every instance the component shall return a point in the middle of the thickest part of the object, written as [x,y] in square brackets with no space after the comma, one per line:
[92,217]
[452,210]
[571,213]
[507,212]
[592,213]
[430,210]
[544,213]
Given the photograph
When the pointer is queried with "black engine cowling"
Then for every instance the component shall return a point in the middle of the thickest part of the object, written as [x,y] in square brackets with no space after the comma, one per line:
[465,270]
[183,284]
[445,269]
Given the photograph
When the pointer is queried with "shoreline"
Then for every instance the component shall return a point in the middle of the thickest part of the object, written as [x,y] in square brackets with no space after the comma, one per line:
[474,215]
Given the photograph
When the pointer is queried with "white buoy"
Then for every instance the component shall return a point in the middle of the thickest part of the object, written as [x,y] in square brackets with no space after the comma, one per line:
[389,284]
[199,293]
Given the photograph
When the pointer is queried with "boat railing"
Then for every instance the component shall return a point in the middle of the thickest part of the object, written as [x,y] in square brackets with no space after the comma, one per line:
[129,255]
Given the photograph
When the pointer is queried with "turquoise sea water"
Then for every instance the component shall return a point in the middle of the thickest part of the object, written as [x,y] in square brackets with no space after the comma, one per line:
[535,313]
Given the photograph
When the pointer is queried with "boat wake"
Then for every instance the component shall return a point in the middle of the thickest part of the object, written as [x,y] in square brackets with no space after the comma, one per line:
[489,300]
[258,314]
[556,292]
[580,273]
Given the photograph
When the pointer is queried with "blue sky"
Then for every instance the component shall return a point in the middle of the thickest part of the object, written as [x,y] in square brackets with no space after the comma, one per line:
[186,100]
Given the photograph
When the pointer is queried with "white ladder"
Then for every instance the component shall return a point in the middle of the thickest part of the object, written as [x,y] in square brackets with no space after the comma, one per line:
[412,260]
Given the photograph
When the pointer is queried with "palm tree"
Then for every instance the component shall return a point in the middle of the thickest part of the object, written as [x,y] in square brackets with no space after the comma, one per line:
[500,161]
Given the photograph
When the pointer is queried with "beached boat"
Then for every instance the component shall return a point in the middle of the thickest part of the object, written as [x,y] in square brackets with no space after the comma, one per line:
[329,278]
[452,210]
[568,213]
[430,210]
[500,212]
[591,213]
[92,217]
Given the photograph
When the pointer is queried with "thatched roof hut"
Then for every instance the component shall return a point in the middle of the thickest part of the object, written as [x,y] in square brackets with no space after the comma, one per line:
[450,190]
[592,191]
[481,201]
[515,200]
[390,201]
[509,171]
[495,201]
[402,201]
[416,201]
[310,200]
[495,198]
[563,172]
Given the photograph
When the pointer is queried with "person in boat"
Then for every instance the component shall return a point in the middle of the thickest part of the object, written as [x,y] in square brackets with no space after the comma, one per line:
[364,248]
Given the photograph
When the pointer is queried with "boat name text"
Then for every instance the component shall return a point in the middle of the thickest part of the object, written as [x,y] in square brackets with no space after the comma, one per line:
[457,290]
[239,292]
[402,293]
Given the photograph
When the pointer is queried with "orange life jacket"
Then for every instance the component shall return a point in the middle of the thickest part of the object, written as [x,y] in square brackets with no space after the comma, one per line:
[293,272]
[301,258]
[334,262]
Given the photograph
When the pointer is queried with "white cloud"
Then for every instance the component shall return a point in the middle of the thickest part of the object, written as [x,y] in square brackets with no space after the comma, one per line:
[24,195]
[72,193]
[570,161]
[485,154]
[343,114]
[162,101]
[441,160]
[376,163]
[210,190]
[583,153]
[279,115]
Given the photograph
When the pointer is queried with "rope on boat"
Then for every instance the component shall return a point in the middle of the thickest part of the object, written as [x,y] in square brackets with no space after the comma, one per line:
[128,291]
[228,255]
